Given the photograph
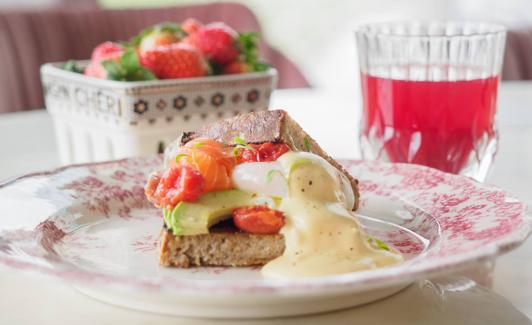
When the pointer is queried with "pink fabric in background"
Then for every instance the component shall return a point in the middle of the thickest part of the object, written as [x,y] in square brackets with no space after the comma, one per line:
[518,55]
[31,38]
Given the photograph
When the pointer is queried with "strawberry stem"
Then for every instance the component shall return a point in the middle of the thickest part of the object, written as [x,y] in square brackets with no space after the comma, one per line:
[128,68]
[248,46]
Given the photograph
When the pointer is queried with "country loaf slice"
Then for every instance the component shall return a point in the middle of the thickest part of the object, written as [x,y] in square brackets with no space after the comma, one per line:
[226,246]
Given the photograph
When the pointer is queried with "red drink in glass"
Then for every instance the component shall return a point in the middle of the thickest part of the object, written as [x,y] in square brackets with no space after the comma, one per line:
[433,123]
[430,93]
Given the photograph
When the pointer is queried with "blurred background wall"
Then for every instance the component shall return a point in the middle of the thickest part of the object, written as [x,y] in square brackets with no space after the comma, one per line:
[318,34]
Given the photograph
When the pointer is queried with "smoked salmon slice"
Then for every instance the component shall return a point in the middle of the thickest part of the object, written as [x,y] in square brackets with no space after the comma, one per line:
[213,160]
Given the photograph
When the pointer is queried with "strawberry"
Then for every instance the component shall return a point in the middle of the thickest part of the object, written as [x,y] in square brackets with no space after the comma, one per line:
[157,38]
[248,59]
[96,70]
[216,41]
[125,67]
[153,36]
[236,67]
[105,51]
[174,61]
[190,25]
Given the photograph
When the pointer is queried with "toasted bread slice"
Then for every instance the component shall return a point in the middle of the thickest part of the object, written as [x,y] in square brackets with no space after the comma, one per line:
[228,246]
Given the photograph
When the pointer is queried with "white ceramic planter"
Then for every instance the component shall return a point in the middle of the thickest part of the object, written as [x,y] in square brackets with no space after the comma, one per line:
[99,120]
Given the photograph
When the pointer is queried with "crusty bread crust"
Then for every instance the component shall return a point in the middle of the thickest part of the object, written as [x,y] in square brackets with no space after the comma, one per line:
[256,127]
[267,126]
[219,249]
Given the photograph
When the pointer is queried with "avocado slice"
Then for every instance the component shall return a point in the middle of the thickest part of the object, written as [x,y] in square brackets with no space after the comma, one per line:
[194,218]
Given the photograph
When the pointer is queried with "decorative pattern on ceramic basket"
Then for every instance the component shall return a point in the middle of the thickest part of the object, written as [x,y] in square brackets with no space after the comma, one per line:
[90,224]
[99,120]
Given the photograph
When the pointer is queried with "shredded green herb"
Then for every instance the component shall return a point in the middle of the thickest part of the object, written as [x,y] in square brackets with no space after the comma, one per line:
[181,155]
[298,163]
[379,243]
[198,145]
[272,172]
[241,144]
[308,146]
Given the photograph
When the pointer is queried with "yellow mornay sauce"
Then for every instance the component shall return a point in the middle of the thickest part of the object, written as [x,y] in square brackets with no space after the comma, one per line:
[321,235]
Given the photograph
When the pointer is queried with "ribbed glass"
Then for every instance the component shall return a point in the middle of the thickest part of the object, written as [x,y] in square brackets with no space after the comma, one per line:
[429,91]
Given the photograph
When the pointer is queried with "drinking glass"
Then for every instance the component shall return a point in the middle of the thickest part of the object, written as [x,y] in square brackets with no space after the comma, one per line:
[429,93]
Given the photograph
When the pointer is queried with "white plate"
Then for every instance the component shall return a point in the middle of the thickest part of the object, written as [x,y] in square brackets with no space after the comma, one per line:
[90,225]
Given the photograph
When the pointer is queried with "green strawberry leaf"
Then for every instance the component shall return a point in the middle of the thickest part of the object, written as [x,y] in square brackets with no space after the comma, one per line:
[130,60]
[163,27]
[128,68]
[172,28]
[114,70]
[141,74]
[72,66]
[248,46]
[248,41]
[135,40]
[260,66]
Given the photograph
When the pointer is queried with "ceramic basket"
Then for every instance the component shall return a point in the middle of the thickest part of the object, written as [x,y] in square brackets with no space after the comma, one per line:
[103,119]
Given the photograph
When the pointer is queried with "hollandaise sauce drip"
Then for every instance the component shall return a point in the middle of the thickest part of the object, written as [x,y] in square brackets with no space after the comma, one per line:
[321,236]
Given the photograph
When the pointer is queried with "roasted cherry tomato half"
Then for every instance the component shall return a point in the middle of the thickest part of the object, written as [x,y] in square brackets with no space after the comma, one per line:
[267,151]
[178,183]
[259,219]
[151,186]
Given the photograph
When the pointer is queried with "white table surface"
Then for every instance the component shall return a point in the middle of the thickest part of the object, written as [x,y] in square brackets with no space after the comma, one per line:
[27,144]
